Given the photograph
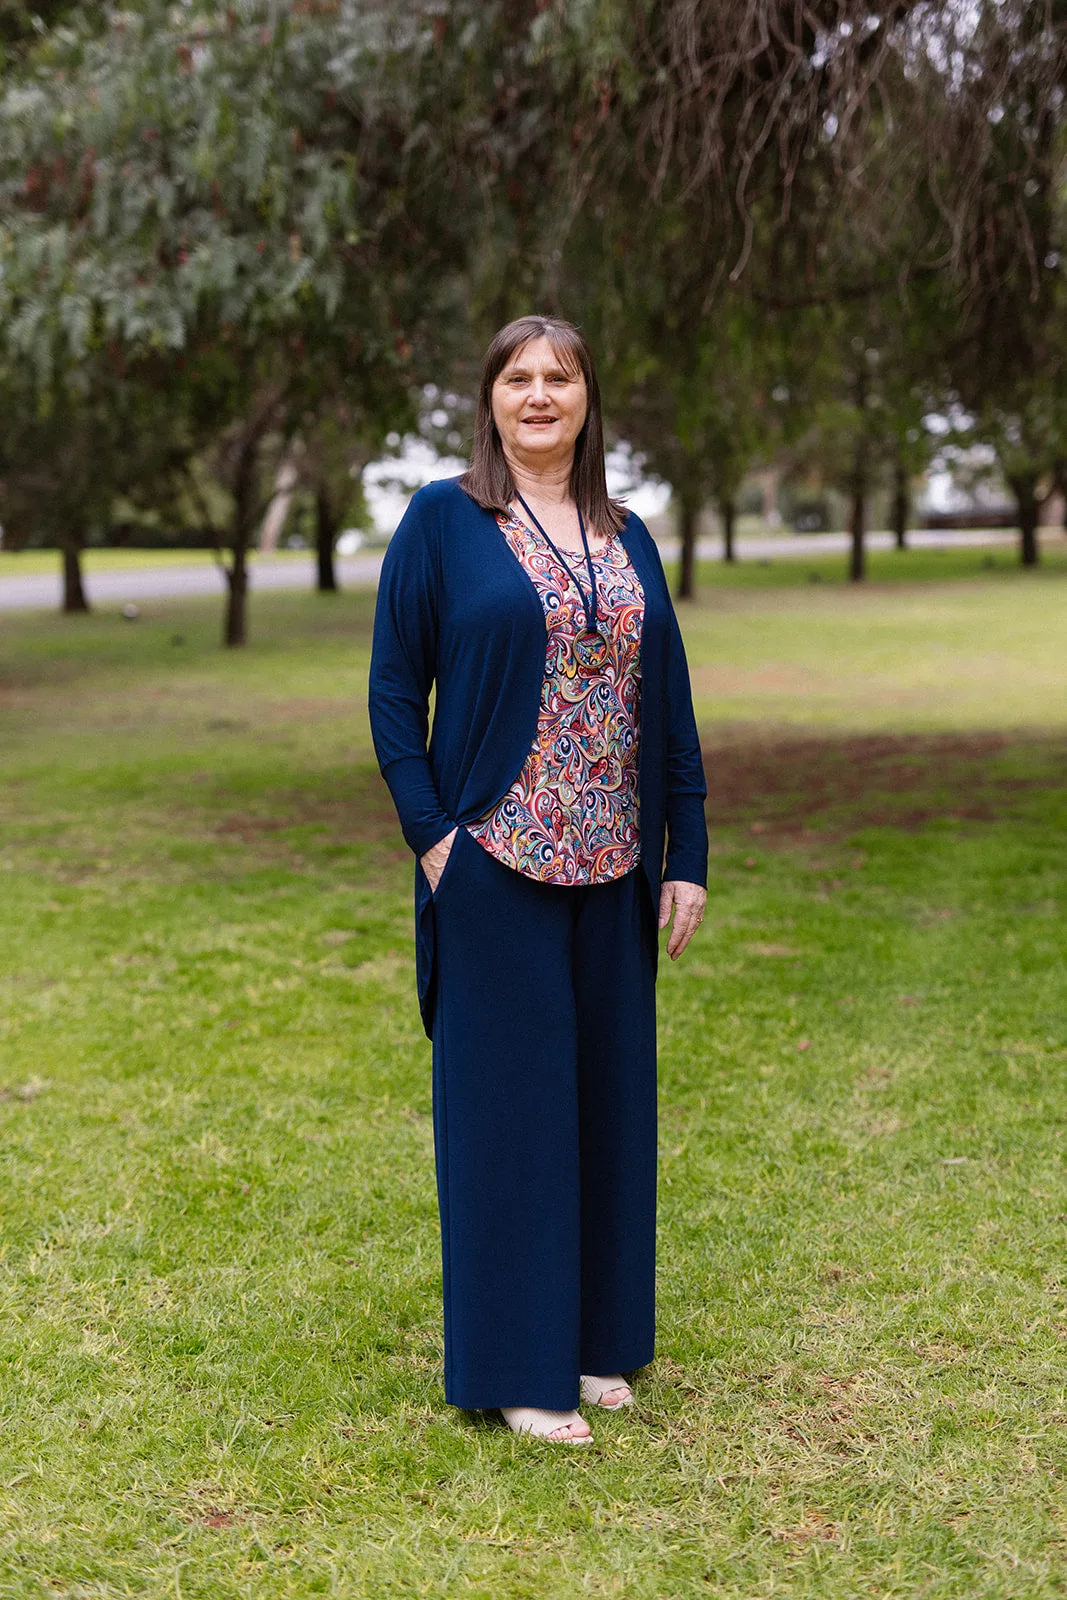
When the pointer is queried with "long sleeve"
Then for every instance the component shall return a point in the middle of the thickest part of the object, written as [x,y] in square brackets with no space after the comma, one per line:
[687,829]
[403,665]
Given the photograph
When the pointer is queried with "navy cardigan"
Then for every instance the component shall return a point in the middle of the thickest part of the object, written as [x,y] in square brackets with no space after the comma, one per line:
[457,610]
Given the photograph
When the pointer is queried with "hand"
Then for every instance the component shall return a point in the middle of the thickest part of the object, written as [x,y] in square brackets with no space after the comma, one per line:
[433,862]
[687,902]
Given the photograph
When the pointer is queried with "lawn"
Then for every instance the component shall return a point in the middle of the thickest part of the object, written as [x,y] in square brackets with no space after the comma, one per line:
[219,1276]
[32,563]
[949,561]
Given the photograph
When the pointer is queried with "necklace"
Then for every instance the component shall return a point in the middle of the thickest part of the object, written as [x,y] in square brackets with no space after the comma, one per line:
[590,646]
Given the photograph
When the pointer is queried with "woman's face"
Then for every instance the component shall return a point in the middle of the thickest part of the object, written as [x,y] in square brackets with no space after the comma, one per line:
[539,405]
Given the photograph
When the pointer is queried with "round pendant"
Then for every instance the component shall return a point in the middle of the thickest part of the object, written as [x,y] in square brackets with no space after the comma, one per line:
[590,649]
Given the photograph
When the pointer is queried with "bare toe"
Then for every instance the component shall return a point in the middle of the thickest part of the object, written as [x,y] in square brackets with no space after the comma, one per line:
[571,1430]
[610,1391]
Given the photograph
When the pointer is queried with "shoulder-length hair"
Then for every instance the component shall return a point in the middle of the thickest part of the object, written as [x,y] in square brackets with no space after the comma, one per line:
[488,479]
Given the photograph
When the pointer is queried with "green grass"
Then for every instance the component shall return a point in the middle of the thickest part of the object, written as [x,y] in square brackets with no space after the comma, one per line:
[31,563]
[219,1280]
[939,564]
[769,572]
[981,650]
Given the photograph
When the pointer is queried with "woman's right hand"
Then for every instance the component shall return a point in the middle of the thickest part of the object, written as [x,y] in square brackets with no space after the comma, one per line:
[433,862]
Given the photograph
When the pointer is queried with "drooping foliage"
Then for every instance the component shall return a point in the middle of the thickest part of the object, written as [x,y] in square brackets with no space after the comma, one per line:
[275,215]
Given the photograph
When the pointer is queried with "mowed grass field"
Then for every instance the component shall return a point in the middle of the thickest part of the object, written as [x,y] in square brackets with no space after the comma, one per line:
[220,1343]
[34,563]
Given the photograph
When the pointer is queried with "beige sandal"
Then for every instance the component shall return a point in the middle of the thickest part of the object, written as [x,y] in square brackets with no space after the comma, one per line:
[542,1424]
[594,1390]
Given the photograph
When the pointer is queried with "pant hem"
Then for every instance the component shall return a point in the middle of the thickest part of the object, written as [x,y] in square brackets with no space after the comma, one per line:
[601,1368]
[542,1399]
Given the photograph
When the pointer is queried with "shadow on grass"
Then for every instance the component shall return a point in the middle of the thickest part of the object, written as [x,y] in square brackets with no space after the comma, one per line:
[834,785]
[352,806]
[829,785]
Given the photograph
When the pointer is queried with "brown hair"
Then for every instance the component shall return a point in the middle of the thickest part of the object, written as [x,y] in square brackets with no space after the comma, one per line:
[488,479]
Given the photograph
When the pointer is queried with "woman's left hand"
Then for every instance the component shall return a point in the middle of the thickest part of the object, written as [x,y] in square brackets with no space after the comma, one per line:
[687,902]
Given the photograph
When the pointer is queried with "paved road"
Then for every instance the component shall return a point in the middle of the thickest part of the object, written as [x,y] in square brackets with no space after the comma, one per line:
[168,583]
[43,590]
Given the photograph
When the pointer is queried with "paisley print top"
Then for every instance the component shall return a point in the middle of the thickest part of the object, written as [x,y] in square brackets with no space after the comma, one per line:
[571,816]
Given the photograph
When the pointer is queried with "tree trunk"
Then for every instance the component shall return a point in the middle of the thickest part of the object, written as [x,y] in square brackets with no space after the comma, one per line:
[325,533]
[285,481]
[244,485]
[858,483]
[688,512]
[901,504]
[74,596]
[1024,487]
[857,528]
[728,514]
[235,628]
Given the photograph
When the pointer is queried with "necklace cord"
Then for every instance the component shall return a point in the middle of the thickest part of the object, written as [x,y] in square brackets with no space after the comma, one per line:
[589,607]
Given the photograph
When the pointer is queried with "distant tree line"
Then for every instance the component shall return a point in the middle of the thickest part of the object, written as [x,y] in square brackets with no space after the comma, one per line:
[233,237]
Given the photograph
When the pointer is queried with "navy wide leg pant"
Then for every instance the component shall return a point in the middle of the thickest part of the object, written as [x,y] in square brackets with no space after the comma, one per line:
[544,1095]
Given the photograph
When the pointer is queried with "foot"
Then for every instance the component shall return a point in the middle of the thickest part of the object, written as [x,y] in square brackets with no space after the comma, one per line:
[562,1427]
[610,1392]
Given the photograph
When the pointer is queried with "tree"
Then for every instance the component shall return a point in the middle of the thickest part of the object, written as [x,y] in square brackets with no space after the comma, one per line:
[693,397]
[239,194]
[295,207]
[51,485]
[1007,355]
[735,142]
[68,455]
[337,443]
[838,159]
[864,376]
[1028,432]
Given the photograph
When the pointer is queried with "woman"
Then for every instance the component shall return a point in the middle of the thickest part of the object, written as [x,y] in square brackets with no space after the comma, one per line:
[563,759]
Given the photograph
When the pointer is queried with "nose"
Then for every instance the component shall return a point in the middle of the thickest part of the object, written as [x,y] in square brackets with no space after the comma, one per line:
[537,392]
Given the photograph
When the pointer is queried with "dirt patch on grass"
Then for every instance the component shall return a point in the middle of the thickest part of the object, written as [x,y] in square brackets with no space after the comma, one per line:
[877,780]
[828,785]
[360,810]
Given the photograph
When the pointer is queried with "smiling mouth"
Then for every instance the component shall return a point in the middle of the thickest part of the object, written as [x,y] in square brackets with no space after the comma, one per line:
[539,422]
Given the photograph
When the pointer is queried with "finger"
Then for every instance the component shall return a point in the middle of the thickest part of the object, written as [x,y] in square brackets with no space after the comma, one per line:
[686,922]
[666,901]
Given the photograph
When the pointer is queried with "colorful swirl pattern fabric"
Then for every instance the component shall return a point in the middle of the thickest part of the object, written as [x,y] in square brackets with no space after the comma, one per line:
[572,815]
